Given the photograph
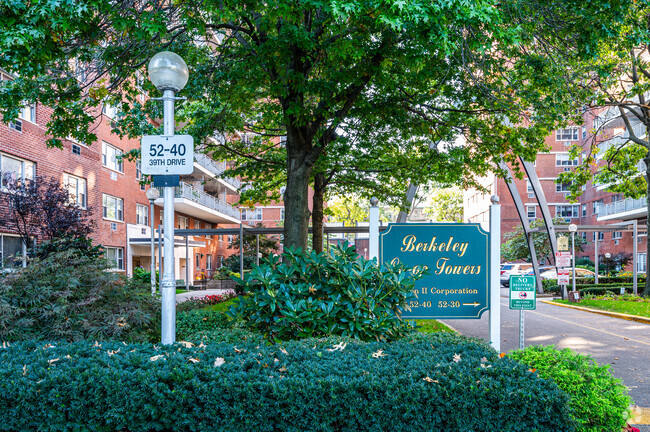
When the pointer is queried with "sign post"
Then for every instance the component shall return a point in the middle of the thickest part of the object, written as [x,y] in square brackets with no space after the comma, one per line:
[523,297]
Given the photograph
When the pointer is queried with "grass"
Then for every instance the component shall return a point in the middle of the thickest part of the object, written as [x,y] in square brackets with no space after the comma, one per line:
[223,306]
[627,304]
[432,326]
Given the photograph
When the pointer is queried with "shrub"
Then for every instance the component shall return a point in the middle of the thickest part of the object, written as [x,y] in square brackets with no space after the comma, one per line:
[598,400]
[202,302]
[312,295]
[190,322]
[72,296]
[439,383]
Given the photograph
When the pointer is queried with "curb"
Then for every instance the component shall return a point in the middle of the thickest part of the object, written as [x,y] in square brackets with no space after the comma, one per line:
[639,415]
[628,317]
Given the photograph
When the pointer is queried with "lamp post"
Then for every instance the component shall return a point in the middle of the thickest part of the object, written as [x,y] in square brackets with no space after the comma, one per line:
[152,195]
[607,256]
[169,73]
[573,228]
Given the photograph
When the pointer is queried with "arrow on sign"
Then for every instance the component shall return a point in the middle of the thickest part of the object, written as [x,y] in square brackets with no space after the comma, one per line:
[472,304]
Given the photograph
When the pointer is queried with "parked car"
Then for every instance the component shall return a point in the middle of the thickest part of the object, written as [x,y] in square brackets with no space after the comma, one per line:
[551,273]
[510,269]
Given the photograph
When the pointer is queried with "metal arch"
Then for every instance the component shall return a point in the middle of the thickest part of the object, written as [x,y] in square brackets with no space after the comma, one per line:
[543,205]
[523,216]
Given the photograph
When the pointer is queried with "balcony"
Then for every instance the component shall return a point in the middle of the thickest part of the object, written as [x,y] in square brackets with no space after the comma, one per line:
[194,202]
[626,209]
[216,169]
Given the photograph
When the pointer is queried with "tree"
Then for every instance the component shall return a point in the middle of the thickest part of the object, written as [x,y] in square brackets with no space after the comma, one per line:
[314,72]
[618,80]
[42,208]
[515,246]
[445,204]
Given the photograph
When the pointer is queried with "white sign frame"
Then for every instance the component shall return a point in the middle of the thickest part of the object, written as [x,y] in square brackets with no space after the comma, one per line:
[167,155]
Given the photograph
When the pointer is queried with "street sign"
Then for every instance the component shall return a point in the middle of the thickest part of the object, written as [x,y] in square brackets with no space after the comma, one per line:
[563,243]
[563,277]
[167,155]
[562,259]
[457,258]
[522,292]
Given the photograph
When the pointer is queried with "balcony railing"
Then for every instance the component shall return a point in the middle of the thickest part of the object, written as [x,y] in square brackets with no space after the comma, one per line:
[190,193]
[622,206]
[217,168]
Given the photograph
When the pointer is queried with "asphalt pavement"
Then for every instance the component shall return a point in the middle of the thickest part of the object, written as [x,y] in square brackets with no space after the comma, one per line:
[625,345]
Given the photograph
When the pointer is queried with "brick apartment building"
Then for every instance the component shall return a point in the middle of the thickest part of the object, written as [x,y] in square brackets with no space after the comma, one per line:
[110,187]
[594,207]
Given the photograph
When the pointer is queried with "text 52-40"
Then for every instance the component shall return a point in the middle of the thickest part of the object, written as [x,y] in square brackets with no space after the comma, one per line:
[158,150]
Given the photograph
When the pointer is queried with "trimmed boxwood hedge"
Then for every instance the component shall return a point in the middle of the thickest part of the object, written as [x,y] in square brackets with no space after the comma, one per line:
[440,382]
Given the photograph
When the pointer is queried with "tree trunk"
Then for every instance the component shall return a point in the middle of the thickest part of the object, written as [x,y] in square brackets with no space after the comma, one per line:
[646,289]
[318,204]
[296,197]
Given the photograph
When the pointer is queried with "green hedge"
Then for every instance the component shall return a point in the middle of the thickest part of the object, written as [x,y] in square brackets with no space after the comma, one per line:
[599,401]
[603,289]
[609,280]
[442,382]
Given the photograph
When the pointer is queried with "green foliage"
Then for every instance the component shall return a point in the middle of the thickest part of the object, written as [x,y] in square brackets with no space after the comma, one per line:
[440,382]
[190,322]
[599,401]
[311,295]
[70,296]
[445,204]
[232,262]
[515,246]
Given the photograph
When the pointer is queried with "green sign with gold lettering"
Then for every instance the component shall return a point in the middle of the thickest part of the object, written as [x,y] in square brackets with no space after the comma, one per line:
[456,257]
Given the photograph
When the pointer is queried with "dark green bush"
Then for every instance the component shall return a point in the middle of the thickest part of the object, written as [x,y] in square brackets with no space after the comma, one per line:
[314,295]
[72,296]
[599,401]
[606,288]
[438,383]
[190,322]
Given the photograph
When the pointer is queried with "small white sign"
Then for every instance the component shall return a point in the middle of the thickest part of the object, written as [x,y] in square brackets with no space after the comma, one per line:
[563,277]
[167,155]
[563,259]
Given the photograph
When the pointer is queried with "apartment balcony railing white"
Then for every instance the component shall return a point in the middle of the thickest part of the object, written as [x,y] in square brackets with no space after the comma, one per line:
[617,207]
[217,168]
[190,193]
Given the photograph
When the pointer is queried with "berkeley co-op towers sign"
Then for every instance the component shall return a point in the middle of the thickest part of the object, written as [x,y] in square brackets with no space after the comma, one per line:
[456,260]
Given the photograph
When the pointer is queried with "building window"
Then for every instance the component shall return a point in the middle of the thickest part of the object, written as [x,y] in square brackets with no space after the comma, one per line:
[28,112]
[529,189]
[601,236]
[183,222]
[76,149]
[12,249]
[110,111]
[208,226]
[641,262]
[568,134]
[198,261]
[208,262]
[567,211]
[531,212]
[141,214]
[617,198]
[617,235]
[115,256]
[112,157]
[250,215]
[197,224]
[113,208]
[597,205]
[14,169]
[138,170]
[76,187]
[563,187]
[562,159]
[282,213]
[584,210]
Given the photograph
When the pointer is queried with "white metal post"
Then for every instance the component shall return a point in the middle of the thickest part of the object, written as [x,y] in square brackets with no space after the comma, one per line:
[153,253]
[495,282]
[596,261]
[573,260]
[168,284]
[373,242]
[634,257]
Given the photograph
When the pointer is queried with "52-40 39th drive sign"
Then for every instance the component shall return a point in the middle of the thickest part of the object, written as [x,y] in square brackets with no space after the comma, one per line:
[456,257]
